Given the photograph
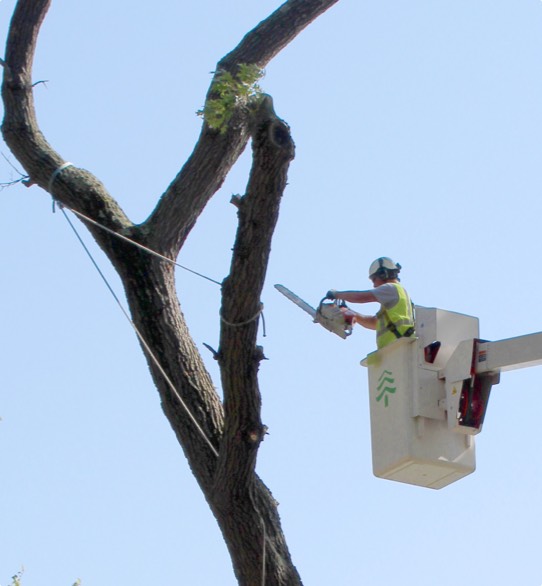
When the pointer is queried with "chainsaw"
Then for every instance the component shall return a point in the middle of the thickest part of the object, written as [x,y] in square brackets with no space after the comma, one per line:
[328,314]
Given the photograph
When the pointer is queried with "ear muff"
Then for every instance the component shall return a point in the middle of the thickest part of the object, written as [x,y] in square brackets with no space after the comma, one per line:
[381,272]
[387,273]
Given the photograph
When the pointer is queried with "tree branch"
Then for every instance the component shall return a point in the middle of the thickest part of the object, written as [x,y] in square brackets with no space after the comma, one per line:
[199,179]
[236,488]
[20,128]
[215,154]
[76,188]
[273,150]
[266,40]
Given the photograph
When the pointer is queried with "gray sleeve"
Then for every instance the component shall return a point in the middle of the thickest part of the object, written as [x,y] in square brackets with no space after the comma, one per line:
[386,294]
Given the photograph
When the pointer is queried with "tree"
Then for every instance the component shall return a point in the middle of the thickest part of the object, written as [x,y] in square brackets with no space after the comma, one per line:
[220,439]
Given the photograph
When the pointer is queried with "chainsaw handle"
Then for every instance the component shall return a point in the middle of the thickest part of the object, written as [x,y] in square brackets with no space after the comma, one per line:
[337,302]
[326,298]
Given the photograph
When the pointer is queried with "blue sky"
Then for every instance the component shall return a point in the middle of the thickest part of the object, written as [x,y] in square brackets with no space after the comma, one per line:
[417,129]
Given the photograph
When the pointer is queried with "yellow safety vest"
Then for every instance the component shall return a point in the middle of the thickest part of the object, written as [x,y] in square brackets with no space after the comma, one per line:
[395,322]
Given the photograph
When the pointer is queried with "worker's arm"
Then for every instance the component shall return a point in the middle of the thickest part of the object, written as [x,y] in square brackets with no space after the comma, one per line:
[356,296]
[367,321]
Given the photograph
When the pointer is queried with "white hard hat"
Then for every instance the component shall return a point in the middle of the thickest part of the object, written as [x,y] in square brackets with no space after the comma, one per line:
[384,267]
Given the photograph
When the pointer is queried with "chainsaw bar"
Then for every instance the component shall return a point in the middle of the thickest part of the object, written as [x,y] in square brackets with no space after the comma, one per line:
[297,300]
[327,315]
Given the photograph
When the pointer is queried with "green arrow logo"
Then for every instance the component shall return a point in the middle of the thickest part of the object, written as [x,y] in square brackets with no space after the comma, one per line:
[386,386]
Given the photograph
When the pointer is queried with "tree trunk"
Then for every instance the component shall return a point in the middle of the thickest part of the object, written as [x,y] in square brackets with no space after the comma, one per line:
[219,440]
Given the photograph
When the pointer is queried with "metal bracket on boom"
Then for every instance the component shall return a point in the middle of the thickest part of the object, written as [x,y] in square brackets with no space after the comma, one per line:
[467,391]
[474,367]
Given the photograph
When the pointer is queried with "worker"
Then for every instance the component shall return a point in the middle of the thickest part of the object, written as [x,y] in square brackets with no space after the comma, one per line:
[395,319]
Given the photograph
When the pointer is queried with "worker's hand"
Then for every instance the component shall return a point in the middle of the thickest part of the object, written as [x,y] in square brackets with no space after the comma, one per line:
[349,315]
[331,294]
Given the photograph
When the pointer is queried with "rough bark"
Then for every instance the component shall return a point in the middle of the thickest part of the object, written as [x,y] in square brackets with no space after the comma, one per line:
[222,448]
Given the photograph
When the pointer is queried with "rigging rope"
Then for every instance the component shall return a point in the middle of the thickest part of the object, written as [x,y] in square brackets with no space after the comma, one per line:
[141,246]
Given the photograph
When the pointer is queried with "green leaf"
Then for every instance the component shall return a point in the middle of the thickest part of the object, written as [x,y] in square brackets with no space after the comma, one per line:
[231,91]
